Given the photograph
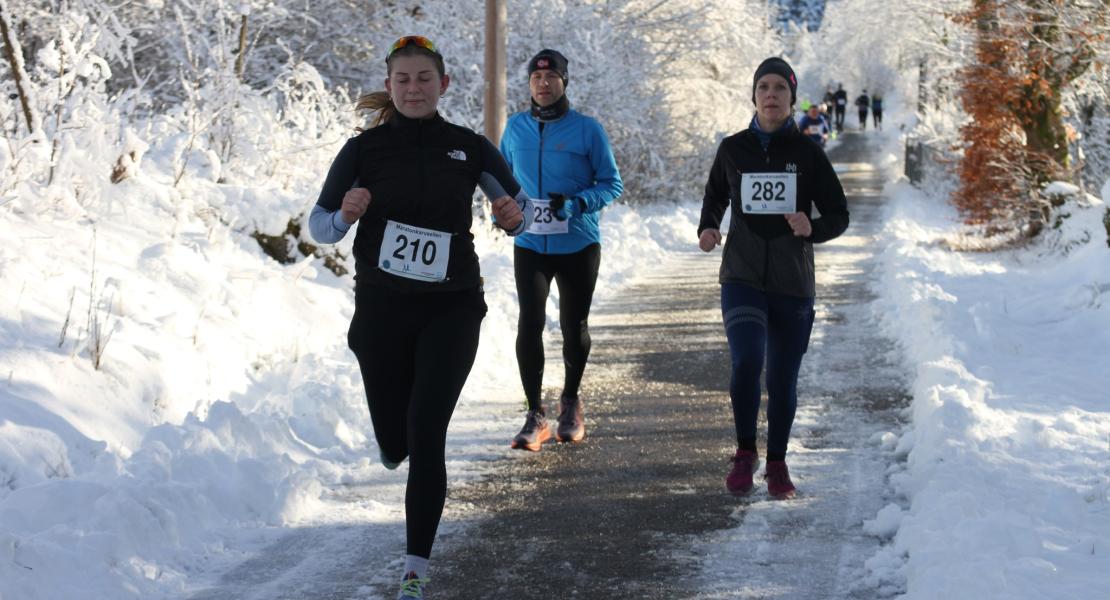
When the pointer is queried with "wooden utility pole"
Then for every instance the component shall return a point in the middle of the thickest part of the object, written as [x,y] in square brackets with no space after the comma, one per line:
[494,110]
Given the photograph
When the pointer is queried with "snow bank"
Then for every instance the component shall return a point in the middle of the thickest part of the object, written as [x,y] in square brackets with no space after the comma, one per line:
[1006,483]
[226,405]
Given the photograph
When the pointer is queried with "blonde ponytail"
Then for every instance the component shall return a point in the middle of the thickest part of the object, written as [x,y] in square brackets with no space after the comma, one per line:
[376,102]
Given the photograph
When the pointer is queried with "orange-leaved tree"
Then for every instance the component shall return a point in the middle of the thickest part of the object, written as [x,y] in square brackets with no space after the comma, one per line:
[1027,53]
[993,151]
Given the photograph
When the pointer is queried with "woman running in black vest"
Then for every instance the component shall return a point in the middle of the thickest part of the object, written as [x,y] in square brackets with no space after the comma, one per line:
[408,182]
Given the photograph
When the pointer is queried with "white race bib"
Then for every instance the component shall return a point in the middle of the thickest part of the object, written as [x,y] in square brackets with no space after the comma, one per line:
[813,130]
[545,222]
[769,193]
[415,252]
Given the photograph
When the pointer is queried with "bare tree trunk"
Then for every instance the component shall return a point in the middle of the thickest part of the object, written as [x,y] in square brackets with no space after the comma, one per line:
[58,113]
[1044,130]
[242,58]
[922,86]
[1058,54]
[15,59]
[1043,122]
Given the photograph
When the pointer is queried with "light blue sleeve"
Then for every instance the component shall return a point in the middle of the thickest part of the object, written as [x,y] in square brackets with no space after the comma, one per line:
[327,226]
[325,223]
[607,178]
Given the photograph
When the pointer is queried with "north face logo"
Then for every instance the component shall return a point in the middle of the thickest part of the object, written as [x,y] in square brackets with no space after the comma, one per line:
[457,155]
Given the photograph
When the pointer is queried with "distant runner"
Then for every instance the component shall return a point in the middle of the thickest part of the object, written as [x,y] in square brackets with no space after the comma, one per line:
[840,103]
[863,102]
[814,125]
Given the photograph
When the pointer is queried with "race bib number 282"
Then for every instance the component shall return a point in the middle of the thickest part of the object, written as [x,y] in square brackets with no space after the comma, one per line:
[769,193]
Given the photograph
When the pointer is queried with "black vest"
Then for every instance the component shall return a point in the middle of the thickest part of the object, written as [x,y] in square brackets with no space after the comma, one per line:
[420,172]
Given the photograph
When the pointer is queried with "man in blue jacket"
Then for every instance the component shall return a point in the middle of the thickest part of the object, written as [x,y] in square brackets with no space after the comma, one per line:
[814,125]
[562,159]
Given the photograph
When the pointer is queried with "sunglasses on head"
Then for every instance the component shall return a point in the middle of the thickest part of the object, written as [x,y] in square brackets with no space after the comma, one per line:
[414,40]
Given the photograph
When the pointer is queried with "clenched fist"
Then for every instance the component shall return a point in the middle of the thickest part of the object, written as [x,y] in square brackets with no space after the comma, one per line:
[709,239]
[355,203]
[507,213]
[799,224]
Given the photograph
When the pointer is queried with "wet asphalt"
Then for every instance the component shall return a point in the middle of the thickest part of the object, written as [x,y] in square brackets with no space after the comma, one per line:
[639,509]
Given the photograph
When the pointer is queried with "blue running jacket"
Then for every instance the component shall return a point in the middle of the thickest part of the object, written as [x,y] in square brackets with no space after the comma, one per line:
[571,156]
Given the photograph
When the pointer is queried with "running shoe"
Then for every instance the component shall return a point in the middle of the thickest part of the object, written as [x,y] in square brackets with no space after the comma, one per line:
[412,587]
[779,485]
[572,424]
[388,463]
[744,465]
[534,433]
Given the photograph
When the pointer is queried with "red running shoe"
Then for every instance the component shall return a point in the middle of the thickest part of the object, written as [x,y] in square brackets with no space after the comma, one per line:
[739,480]
[777,476]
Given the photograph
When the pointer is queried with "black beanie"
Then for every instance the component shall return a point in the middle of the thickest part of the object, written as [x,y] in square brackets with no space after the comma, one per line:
[777,66]
[549,59]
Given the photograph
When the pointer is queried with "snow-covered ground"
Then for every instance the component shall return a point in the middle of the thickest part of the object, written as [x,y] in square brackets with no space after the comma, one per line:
[226,408]
[1005,482]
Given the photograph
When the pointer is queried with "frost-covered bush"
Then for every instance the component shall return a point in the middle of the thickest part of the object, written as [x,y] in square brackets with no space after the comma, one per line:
[1089,111]
[224,100]
[1075,219]
[66,163]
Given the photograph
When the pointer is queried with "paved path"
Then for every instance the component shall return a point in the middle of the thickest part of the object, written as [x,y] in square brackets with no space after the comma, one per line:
[639,510]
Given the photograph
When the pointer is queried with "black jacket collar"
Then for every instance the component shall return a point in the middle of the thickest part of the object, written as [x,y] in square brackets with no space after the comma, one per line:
[404,123]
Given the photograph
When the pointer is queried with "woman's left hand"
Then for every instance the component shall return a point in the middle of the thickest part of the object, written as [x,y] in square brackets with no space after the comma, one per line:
[507,213]
[799,222]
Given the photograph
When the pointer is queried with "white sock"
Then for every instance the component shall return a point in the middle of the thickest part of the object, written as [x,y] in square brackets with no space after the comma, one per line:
[416,564]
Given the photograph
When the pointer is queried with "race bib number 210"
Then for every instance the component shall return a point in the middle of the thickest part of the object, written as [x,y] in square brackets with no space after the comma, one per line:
[415,252]
[769,193]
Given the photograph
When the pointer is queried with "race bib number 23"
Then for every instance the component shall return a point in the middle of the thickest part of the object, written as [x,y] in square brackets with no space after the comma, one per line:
[769,193]
[415,252]
[545,222]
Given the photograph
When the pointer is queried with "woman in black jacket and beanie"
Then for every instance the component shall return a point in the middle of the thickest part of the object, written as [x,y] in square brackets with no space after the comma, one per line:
[774,176]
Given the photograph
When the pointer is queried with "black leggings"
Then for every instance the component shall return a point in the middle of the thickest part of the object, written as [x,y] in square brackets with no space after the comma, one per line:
[415,352]
[576,275]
